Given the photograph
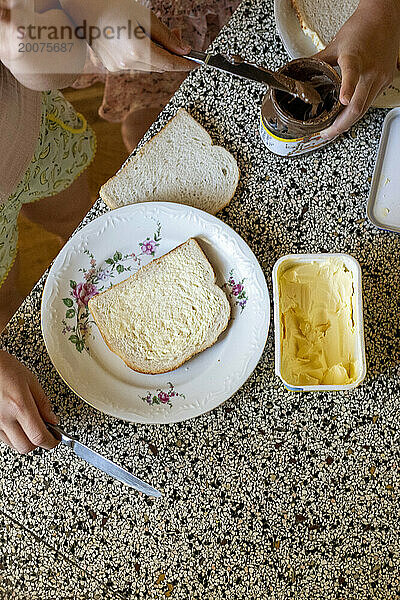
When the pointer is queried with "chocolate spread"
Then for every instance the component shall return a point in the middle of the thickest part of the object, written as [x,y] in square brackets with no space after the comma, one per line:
[289,116]
[307,92]
[301,107]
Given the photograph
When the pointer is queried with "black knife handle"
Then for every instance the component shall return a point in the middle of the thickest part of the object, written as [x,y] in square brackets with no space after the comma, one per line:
[197,57]
[60,435]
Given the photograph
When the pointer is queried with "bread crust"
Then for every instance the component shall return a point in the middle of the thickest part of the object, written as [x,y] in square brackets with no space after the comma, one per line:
[103,194]
[314,35]
[108,200]
[298,12]
[92,310]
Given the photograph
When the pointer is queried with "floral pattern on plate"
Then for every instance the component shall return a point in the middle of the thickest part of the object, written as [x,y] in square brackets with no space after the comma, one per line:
[162,397]
[236,291]
[148,246]
[77,321]
[227,364]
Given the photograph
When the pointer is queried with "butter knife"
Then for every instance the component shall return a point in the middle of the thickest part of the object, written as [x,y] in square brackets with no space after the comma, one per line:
[235,65]
[101,462]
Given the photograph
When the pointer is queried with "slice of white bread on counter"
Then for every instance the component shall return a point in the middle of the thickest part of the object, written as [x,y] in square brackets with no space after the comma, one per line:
[165,313]
[322,19]
[179,164]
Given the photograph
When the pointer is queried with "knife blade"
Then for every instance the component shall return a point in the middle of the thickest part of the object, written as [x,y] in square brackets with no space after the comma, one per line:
[102,463]
[232,66]
[235,65]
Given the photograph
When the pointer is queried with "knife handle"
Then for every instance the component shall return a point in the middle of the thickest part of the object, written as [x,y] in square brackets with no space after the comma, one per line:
[201,58]
[60,435]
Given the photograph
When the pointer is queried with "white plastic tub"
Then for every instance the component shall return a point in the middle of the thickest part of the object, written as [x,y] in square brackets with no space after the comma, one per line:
[352,264]
[383,208]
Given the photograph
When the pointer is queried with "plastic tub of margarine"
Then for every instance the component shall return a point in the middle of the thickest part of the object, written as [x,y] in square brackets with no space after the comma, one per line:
[319,327]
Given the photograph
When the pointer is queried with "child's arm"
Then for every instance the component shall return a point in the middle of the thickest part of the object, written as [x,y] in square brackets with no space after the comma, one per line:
[31,48]
[367,49]
[122,33]
[43,5]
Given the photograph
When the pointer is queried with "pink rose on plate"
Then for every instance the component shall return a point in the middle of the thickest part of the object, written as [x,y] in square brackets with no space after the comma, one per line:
[163,397]
[148,247]
[83,292]
[237,289]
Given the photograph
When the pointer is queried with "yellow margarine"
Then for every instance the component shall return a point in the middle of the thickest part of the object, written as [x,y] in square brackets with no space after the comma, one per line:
[318,332]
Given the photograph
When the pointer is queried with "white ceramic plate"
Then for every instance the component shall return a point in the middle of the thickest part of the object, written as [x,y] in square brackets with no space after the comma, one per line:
[298,44]
[108,250]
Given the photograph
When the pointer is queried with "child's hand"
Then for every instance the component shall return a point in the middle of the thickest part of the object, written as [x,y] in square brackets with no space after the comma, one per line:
[121,49]
[23,408]
[366,49]
[28,50]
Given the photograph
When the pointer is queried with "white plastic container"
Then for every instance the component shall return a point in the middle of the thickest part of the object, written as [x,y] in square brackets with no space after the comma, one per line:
[353,266]
[383,204]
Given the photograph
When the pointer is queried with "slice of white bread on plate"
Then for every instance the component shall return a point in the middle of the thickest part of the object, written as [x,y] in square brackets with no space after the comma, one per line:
[179,164]
[165,313]
[322,19]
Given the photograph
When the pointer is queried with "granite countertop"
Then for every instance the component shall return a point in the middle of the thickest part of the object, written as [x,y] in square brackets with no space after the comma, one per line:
[274,494]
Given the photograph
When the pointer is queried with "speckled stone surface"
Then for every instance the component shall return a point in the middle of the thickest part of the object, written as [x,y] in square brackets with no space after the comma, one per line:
[32,570]
[272,495]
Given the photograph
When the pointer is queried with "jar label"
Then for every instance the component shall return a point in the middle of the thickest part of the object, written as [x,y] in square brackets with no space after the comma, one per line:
[291,147]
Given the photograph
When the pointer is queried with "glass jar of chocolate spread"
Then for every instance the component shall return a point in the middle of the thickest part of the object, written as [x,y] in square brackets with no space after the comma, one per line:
[289,126]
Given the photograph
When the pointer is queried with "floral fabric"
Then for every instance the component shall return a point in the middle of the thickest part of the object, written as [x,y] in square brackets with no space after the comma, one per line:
[199,22]
[65,147]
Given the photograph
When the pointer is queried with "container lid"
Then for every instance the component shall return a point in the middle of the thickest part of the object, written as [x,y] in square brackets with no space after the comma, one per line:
[383,203]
